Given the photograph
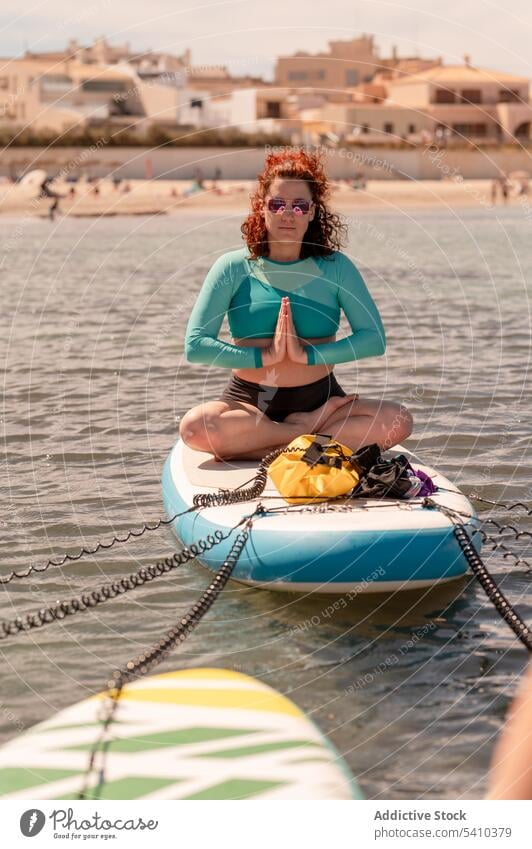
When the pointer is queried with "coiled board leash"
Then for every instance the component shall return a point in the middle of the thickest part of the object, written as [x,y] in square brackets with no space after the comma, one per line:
[148,660]
[503,607]
[84,552]
[109,591]
[489,585]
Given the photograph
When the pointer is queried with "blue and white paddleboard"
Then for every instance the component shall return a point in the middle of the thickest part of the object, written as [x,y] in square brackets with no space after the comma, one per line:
[373,545]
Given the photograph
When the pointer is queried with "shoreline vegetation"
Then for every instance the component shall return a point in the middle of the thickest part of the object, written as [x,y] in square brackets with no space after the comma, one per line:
[225,137]
[105,197]
[188,136]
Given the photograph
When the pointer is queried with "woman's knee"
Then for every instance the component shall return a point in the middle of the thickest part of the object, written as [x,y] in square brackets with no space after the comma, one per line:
[398,424]
[199,428]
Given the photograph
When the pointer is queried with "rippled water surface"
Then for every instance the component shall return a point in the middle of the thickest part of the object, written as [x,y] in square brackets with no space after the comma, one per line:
[411,689]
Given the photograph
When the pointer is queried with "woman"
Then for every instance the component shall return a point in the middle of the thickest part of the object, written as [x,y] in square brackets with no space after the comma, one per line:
[282,295]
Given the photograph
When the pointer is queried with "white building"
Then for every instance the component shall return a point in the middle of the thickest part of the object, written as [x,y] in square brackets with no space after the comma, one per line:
[69,93]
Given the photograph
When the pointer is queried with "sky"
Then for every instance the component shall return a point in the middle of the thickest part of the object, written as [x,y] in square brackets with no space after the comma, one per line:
[247,35]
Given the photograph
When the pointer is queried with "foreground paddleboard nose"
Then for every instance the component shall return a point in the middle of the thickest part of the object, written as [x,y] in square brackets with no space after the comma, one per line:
[192,734]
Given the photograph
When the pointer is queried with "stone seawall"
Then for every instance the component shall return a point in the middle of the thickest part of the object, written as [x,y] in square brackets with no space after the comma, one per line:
[244,163]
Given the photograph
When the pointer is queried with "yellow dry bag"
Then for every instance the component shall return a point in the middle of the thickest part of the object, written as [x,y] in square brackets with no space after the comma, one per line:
[314,468]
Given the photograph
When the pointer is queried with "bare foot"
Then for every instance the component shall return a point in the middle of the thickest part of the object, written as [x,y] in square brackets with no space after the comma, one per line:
[311,422]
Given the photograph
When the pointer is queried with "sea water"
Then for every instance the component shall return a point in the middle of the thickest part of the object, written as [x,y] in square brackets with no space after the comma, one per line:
[411,689]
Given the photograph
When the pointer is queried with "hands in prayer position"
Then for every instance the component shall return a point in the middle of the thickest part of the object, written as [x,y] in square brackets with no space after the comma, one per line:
[285,343]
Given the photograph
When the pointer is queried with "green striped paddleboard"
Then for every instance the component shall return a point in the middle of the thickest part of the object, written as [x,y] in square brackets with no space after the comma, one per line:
[193,734]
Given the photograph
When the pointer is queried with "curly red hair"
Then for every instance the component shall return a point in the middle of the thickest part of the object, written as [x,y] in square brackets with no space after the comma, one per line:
[325,232]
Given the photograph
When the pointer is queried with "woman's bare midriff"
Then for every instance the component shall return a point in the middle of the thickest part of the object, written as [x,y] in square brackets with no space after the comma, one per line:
[285,372]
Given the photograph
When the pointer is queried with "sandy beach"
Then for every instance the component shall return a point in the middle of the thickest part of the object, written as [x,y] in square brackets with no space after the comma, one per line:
[152,197]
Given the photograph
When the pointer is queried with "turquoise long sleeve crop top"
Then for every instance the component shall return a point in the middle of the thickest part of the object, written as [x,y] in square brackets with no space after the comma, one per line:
[250,291]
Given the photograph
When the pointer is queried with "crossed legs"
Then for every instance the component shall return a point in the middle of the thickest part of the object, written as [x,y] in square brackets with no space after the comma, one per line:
[236,430]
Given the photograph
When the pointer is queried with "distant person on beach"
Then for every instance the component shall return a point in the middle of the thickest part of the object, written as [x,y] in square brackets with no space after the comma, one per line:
[283,294]
[215,180]
[358,181]
[197,183]
[505,187]
[47,192]
[511,768]
[198,178]
[493,192]
[53,208]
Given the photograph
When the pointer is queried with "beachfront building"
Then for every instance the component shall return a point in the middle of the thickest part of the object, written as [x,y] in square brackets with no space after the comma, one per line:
[463,102]
[199,109]
[147,63]
[267,110]
[218,81]
[369,123]
[99,53]
[212,98]
[347,93]
[346,65]
[404,66]
[342,67]
[101,83]
[447,104]
[58,95]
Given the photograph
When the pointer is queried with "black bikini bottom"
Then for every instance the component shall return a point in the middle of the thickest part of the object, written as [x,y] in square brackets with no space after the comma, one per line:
[277,402]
